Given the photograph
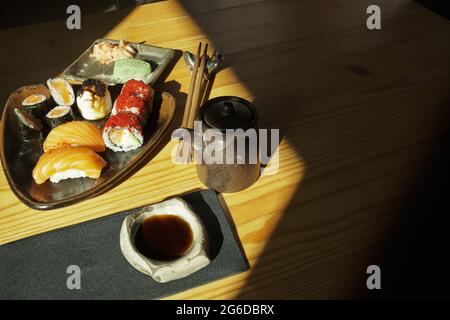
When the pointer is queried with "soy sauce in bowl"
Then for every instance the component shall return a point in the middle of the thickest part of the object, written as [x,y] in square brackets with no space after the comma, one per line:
[163,237]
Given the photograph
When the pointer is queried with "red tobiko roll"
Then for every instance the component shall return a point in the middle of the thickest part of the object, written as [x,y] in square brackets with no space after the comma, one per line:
[123,132]
[130,103]
[138,89]
[124,120]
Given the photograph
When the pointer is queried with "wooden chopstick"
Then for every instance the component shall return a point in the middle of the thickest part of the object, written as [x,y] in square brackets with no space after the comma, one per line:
[208,83]
[188,106]
[195,92]
[197,89]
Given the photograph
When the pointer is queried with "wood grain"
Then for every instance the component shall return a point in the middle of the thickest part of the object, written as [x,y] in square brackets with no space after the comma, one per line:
[361,113]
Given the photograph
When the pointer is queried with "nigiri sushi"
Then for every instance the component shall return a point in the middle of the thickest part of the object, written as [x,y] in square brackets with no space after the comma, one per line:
[75,134]
[68,162]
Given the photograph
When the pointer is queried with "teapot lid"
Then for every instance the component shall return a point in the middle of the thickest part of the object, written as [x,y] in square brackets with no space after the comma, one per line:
[229,112]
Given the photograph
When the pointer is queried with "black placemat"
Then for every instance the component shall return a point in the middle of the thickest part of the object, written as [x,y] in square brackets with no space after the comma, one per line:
[36,267]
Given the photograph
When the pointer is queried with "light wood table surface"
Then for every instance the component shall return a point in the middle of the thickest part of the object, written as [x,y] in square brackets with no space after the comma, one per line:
[360,112]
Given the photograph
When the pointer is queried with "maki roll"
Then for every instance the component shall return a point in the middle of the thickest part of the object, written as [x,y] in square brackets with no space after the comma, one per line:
[138,89]
[30,128]
[130,103]
[61,91]
[123,132]
[36,105]
[135,97]
[94,99]
[59,115]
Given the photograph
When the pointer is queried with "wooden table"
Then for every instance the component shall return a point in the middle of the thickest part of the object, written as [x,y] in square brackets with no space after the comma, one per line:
[362,113]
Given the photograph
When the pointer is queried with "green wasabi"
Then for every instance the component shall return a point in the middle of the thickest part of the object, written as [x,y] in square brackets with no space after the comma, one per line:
[131,68]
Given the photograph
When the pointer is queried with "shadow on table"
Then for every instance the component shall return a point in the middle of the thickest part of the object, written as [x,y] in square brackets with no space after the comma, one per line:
[357,204]
[414,263]
[33,12]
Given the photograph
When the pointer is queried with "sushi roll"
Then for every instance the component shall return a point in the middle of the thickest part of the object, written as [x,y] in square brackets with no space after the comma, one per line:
[138,89]
[30,128]
[61,91]
[130,103]
[135,97]
[59,115]
[123,132]
[75,134]
[36,105]
[94,99]
[68,162]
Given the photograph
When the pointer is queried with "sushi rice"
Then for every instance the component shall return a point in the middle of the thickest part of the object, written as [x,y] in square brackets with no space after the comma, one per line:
[59,115]
[122,139]
[67,174]
[36,105]
[68,162]
[123,132]
[94,99]
[61,91]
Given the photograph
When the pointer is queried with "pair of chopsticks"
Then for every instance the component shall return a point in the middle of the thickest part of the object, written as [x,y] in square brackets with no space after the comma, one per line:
[196,88]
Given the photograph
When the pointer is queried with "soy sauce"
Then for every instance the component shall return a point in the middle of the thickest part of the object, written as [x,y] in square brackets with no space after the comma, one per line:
[163,237]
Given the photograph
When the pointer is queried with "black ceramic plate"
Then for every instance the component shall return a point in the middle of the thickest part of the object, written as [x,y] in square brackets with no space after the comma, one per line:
[19,157]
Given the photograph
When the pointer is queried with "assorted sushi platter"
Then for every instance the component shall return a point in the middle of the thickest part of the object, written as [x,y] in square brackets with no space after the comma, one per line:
[117,61]
[63,143]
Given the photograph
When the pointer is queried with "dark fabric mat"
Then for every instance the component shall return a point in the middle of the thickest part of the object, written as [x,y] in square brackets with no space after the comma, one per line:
[35,267]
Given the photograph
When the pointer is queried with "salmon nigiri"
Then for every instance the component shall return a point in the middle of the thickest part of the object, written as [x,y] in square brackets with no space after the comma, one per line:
[68,162]
[75,134]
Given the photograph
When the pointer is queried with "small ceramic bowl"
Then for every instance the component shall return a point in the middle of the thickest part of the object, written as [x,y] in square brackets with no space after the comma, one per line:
[194,259]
